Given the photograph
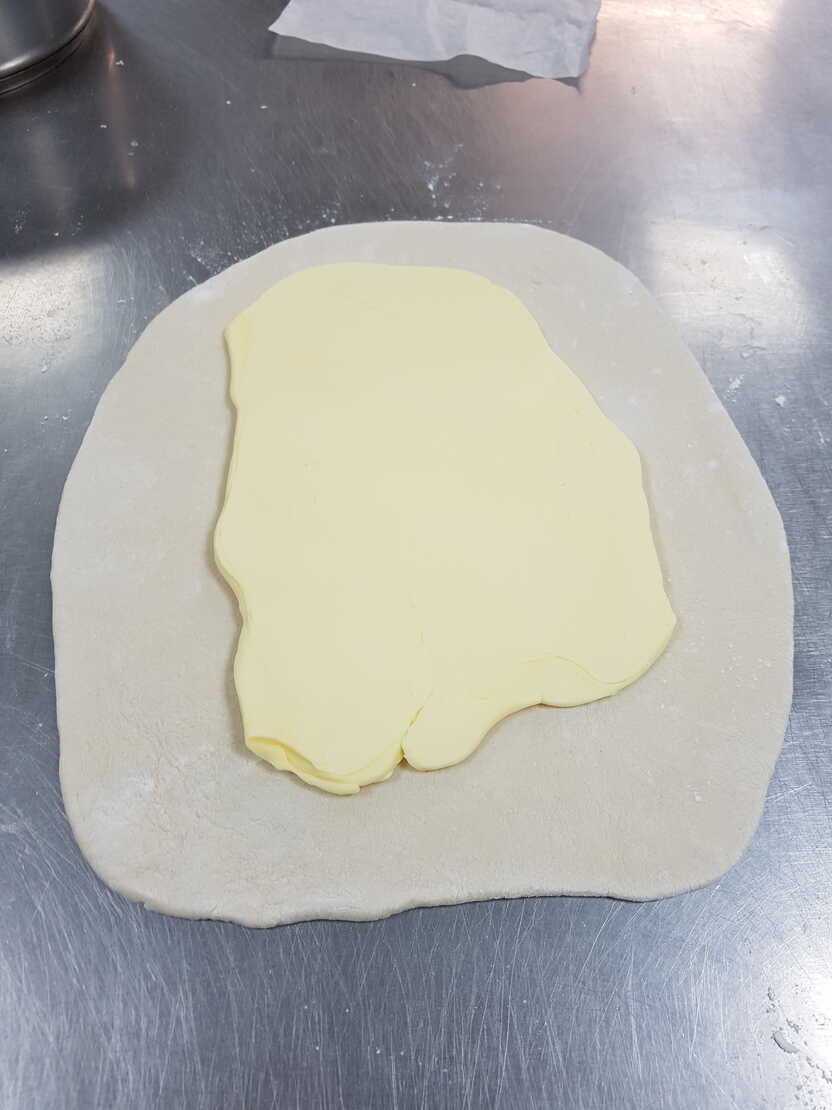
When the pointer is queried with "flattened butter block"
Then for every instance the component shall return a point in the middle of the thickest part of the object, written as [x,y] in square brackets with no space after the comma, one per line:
[429,524]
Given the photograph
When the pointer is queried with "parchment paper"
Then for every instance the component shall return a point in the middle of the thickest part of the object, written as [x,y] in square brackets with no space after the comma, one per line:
[644,794]
[544,38]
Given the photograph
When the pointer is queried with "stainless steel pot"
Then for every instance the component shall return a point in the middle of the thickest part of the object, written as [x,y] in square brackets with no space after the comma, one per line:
[36,34]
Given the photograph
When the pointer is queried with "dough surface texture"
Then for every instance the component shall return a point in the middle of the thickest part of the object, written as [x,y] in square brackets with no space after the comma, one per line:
[650,792]
[429,524]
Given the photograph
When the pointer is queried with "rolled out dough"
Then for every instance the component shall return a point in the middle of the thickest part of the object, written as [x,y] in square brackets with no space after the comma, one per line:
[429,524]
[648,793]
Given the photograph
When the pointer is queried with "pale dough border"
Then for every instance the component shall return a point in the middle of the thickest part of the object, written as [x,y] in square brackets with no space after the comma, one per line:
[649,793]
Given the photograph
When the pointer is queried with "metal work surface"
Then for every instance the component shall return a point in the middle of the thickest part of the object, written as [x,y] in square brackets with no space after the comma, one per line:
[697,150]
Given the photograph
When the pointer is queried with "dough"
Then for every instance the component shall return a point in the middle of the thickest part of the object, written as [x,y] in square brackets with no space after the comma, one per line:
[647,793]
[429,524]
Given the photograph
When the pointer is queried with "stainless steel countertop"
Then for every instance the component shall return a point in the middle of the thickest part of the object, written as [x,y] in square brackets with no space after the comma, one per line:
[697,150]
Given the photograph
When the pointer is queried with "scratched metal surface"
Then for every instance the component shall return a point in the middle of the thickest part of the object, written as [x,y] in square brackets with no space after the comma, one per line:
[697,151]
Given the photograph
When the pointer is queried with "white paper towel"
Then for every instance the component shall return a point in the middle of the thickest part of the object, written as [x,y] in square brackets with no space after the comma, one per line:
[544,38]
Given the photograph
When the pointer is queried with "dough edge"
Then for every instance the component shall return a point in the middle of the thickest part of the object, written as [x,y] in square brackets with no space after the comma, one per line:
[265,910]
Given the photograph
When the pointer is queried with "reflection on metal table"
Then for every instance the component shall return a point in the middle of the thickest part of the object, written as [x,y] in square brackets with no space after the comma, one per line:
[697,150]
